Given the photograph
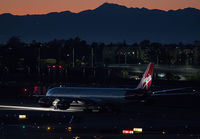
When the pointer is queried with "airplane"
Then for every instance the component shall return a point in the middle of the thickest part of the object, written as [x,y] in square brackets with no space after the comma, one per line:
[103,99]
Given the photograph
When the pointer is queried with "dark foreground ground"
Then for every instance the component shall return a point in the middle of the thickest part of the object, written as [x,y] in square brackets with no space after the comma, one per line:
[176,117]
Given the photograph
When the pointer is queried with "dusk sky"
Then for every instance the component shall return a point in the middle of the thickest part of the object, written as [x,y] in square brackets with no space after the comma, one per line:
[23,7]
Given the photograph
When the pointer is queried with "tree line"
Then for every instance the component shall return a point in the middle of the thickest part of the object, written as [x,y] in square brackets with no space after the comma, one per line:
[75,52]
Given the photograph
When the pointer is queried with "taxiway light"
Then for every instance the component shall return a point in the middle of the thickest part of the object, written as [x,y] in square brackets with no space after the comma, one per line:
[128,132]
[69,128]
[82,63]
[25,89]
[35,89]
[23,126]
[48,128]
[97,137]
[22,116]
[76,137]
[138,130]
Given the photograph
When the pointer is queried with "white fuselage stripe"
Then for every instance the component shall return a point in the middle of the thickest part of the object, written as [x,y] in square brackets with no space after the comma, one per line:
[84,96]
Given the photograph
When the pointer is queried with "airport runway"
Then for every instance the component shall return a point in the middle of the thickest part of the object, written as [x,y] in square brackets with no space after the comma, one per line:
[160,120]
[28,108]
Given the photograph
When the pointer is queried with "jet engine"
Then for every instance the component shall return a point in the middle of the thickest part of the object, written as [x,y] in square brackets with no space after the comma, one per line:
[135,95]
[63,104]
[45,102]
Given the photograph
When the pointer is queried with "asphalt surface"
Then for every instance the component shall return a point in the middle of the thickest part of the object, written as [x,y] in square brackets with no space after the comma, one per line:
[166,117]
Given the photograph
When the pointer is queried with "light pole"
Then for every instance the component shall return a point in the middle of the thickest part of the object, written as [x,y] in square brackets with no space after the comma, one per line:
[39,59]
[73,57]
[92,53]
[125,57]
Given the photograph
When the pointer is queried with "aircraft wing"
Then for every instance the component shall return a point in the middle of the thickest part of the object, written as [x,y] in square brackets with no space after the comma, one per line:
[176,91]
[90,101]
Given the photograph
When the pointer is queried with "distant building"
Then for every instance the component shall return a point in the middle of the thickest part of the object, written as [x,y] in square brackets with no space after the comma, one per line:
[109,54]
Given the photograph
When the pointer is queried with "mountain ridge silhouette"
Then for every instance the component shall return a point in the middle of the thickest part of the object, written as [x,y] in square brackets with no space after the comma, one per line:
[107,23]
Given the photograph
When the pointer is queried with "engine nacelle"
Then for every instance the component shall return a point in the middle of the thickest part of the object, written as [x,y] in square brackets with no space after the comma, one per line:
[136,95]
[45,102]
[63,104]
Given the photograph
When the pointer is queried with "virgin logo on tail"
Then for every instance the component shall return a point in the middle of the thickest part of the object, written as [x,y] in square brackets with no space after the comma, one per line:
[146,80]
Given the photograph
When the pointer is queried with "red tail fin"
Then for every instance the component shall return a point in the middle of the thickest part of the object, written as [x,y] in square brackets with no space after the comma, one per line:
[146,80]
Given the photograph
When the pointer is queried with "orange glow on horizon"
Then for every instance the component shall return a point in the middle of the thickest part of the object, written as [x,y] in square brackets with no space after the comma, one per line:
[23,7]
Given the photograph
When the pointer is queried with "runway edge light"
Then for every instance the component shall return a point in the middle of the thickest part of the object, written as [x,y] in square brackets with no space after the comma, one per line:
[69,129]
[138,130]
[127,131]
[22,116]
[48,128]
